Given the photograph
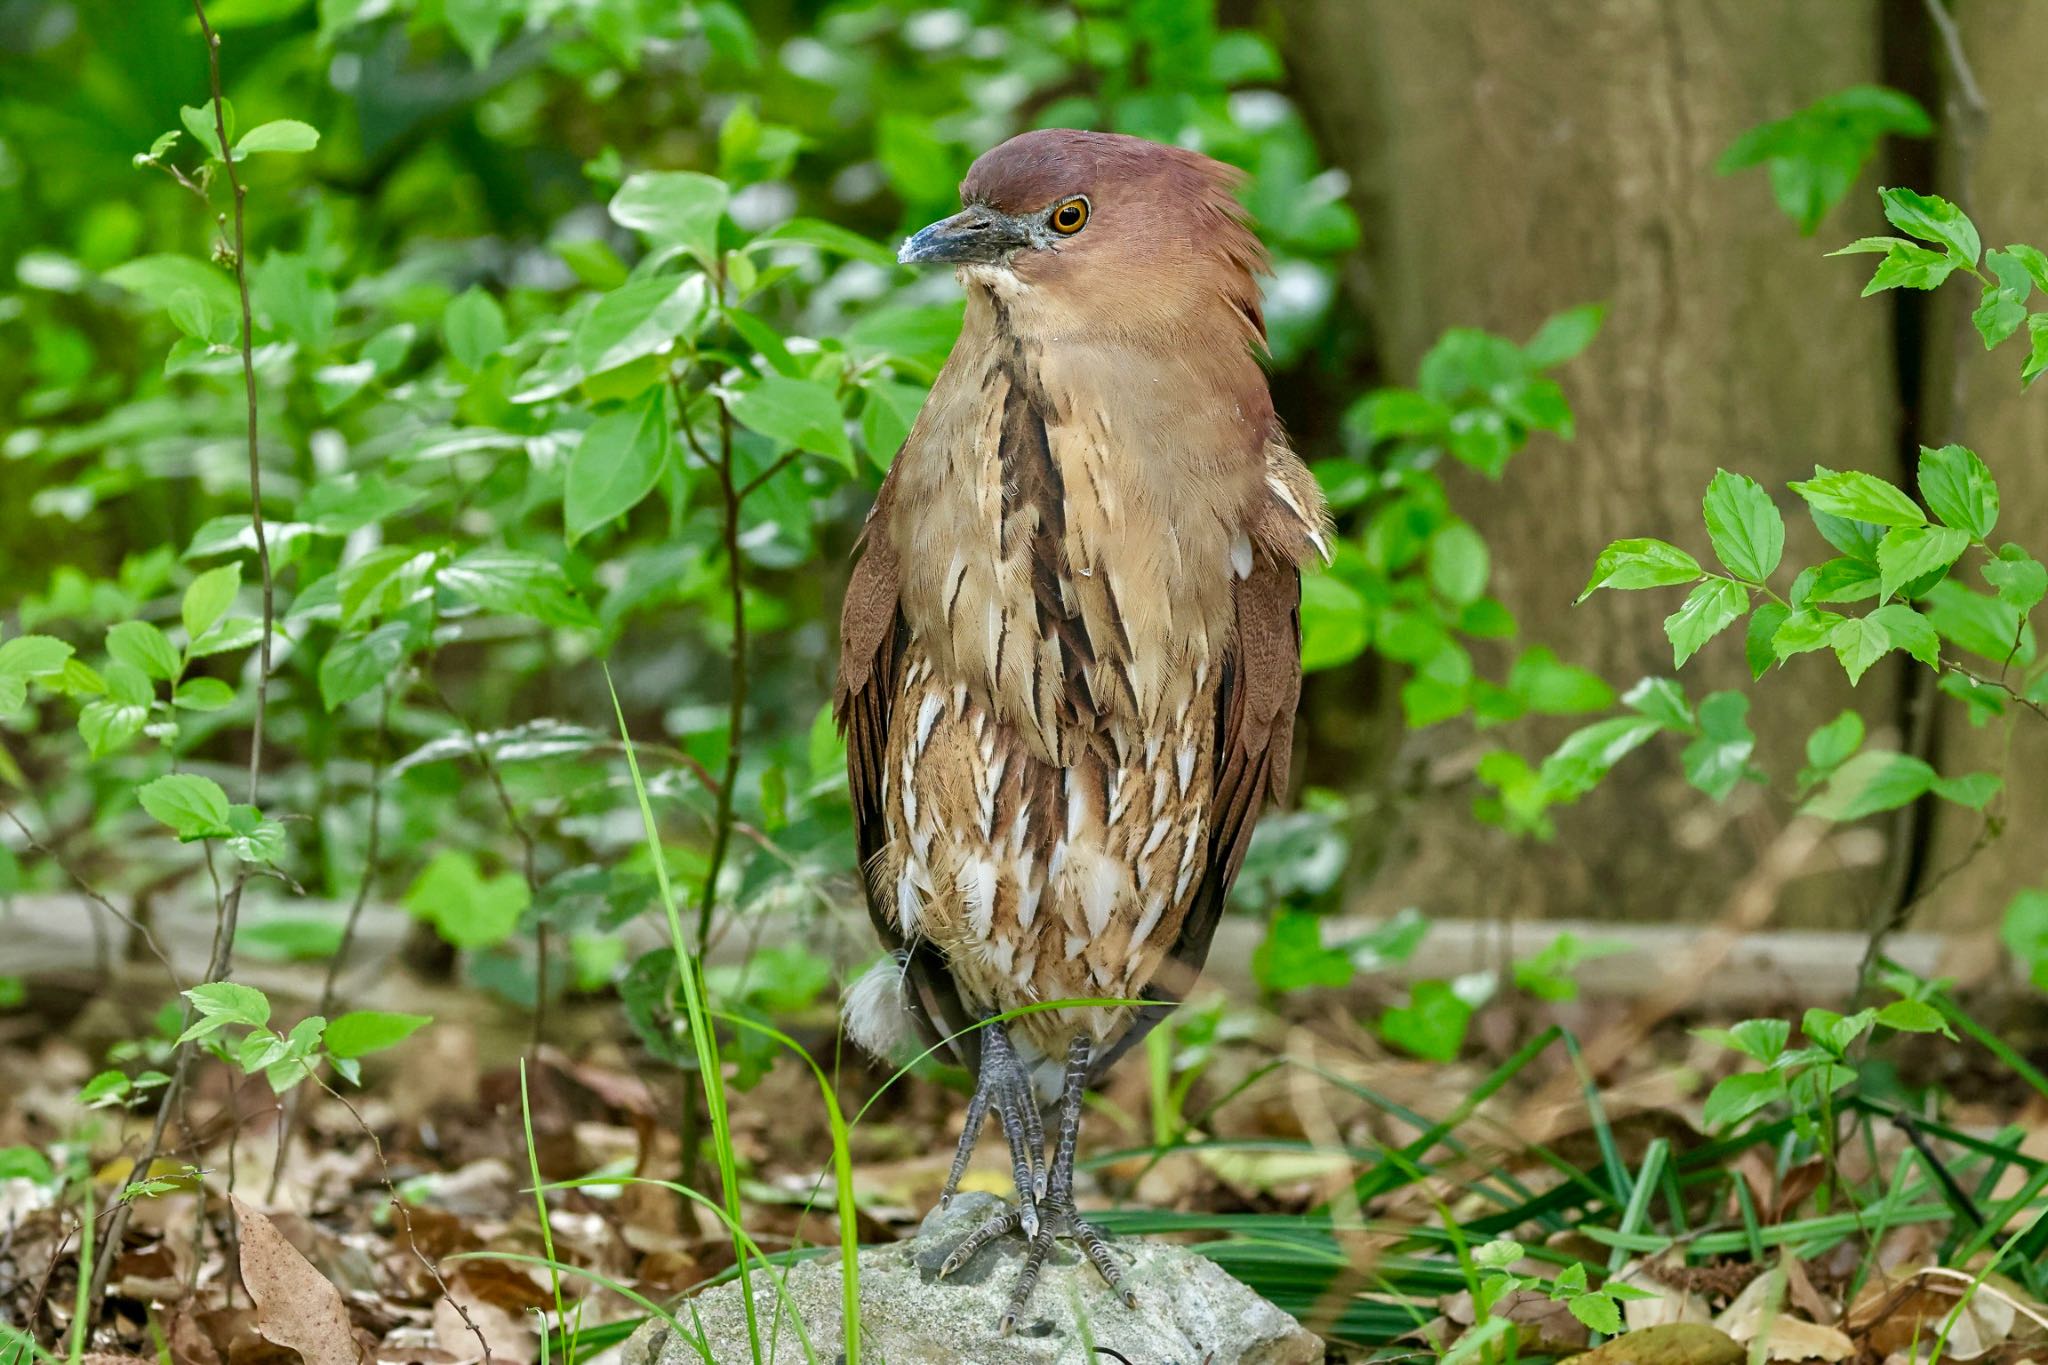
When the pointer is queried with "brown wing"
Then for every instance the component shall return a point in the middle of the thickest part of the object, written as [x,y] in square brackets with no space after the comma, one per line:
[1259,689]
[871,639]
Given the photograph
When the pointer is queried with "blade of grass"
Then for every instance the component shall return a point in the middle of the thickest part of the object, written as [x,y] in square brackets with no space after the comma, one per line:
[540,1200]
[689,968]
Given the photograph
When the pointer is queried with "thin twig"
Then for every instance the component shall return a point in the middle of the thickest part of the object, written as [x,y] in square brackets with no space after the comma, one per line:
[38,846]
[230,906]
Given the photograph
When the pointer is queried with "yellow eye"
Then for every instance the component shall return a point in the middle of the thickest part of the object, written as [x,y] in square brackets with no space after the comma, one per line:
[1070,217]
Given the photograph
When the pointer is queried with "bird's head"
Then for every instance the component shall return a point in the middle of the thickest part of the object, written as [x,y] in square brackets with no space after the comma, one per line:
[1101,233]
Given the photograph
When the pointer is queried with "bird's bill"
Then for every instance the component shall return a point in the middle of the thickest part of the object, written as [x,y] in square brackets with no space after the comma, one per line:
[974,236]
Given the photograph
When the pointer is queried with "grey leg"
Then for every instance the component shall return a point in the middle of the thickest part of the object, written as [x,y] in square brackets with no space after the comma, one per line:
[1004,1086]
[1058,1214]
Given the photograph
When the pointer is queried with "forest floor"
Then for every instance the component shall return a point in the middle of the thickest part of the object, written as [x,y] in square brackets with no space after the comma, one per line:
[390,1202]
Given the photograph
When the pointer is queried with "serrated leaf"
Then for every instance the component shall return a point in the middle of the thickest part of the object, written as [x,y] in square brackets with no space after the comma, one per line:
[1805,630]
[1931,218]
[1641,563]
[1719,758]
[1959,490]
[516,582]
[1758,636]
[1913,1016]
[27,656]
[1872,781]
[1908,553]
[2021,580]
[1709,609]
[1907,629]
[1747,531]
[203,694]
[1859,497]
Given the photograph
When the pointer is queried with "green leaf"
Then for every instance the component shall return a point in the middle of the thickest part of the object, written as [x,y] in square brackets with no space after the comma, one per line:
[637,320]
[1805,631]
[1859,642]
[469,910]
[1458,563]
[797,412]
[2021,580]
[1873,781]
[159,280]
[1431,1025]
[221,1003]
[476,24]
[1747,531]
[194,807]
[1913,1016]
[1597,1311]
[1830,745]
[888,410]
[1757,640]
[278,135]
[361,1032]
[828,237]
[1907,629]
[1336,623]
[1735,1098]
[1550,687]
[1718,759]
[203,694]
[107,725]
[1838,580]
[25,657]
[617,464]
[1973,790]
[1907,266]
[1641,563]
[2037,353]
[673,208]
[1909,553]
[1293,957]
[2024,931]
[1959,490]
[1709,609]
[474,329]
[209,597]
[519,583]
[1932,219]
[1859,497]
[1815,155]
[141,645]
[1564,335]
[198,120]
[2003,305]
[357,664]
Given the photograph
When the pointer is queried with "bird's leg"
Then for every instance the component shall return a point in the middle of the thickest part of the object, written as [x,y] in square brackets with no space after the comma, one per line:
[1004,1085]
[1057,1212]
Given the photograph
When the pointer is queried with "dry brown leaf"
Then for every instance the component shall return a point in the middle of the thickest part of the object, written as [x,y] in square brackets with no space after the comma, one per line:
[295,1307]
[1913,1311]
[456,1329]
[1792,1338]
[1671,1304]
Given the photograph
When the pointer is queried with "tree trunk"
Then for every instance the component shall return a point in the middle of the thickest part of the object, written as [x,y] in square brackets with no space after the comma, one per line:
[1514,157]
[1992,168]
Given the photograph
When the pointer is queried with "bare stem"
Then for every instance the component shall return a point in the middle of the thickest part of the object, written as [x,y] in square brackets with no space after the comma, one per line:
[230,905]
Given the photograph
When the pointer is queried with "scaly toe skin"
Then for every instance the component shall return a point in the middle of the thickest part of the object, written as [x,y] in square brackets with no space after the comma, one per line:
[1006,1221]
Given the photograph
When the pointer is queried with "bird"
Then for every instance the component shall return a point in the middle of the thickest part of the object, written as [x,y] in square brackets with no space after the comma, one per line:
[1070,648]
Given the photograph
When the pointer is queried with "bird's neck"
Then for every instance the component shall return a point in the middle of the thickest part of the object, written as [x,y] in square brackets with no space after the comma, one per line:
[1074,512]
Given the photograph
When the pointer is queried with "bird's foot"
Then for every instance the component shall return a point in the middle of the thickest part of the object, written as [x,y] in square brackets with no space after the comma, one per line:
[1004,1085]
[1057,1217]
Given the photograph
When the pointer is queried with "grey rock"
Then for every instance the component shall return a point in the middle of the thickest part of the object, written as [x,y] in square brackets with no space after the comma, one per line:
[1189,1312]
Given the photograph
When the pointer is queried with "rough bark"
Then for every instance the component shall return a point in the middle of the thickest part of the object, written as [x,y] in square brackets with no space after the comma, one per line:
[1514,157]
[1993,168]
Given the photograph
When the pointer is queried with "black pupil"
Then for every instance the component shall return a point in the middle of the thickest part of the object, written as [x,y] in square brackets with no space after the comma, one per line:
[1070,216]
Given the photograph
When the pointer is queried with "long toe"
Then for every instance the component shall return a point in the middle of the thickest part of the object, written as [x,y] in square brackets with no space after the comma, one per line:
[1006,1221]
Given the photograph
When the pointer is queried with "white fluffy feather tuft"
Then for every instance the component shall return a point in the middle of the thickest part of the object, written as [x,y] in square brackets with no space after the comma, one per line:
[877,1012]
